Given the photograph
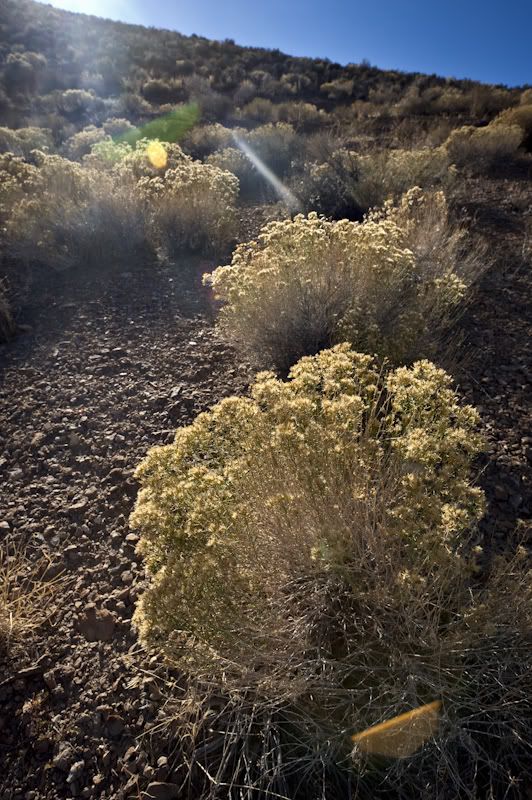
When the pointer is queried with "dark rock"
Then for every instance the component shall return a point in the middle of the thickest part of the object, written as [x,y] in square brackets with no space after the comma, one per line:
[96,625]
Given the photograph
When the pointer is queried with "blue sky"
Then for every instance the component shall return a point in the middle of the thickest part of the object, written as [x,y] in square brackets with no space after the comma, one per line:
[489,41]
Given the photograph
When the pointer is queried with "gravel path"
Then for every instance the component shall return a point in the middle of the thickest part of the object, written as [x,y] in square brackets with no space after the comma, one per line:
[108,371]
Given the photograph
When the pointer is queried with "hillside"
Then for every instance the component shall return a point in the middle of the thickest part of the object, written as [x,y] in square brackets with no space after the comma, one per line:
[341,540]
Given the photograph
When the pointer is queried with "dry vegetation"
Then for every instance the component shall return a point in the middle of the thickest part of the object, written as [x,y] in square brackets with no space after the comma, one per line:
[311,553]
[26,597]
[311,548]
[390,285]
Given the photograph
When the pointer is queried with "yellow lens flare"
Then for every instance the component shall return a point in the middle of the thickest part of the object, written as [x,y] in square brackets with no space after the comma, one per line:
[157,155]
[401,736]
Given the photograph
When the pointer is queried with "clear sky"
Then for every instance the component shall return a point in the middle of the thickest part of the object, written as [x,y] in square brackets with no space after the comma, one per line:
[487,40]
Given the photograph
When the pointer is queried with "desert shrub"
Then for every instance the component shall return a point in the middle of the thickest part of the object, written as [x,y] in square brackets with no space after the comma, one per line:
[260,110]
[22,141]
[307,547]
[203,140]
[22,70]
[303,116]
[275,144]
[81,143]
[348,184]
[388,285]
[481,148]
[71,215]
[520,116]
[234,160]
[339,89]
[77,102]
[160,91]
[116,126]
[191,207]
[333,186]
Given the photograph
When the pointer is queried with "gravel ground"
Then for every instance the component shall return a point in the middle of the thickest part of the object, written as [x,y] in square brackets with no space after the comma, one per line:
[110,369]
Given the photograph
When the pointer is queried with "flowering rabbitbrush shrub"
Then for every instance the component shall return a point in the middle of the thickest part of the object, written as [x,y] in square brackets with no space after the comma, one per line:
[480,148]
[308,283]
[306,547]
[113,205]
[192,207]
[66,215]
[350,184]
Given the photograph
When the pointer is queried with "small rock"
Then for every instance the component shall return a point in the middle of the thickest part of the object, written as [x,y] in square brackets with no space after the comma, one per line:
[76,771]
[38,439]
[5,527]
[96,625]
[63,759]
[160,791]
[115,725]
[78,508]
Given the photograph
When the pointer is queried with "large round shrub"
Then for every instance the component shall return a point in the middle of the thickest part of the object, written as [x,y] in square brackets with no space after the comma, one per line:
[307,547]
[307,283]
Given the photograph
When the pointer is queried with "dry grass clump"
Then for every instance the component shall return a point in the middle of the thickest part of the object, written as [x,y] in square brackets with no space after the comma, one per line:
[481,148]
[309,563]
[26,596]
[389,285]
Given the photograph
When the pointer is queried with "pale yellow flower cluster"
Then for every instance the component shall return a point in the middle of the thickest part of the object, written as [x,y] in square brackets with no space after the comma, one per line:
[384,285]
[306,475]
[118,200]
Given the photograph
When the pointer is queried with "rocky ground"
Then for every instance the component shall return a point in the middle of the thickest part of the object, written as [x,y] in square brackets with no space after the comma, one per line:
[108,370]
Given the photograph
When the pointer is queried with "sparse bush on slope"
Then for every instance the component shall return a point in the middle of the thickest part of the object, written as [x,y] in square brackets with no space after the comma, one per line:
[308,555]
[521,116]
[388,285]
[481,148]
[348,184]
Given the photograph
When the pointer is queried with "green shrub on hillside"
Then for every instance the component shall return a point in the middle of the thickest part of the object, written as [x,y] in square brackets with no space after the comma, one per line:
[388,285]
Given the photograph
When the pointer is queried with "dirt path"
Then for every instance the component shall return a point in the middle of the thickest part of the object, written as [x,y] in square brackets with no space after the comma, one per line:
[99,381]
[103,376]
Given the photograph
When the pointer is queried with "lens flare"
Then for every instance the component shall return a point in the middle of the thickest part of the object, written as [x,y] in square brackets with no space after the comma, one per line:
[157,155]
[284,193]
[401,736]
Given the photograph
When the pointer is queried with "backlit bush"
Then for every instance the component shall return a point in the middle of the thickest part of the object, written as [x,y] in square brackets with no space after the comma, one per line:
[191,208]
[200,142]
[234,160]
[521,116]
[68,215]
[349,184]
[480,148]
[22,141]
[307,547]
[388,285]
